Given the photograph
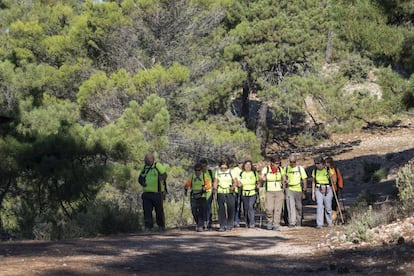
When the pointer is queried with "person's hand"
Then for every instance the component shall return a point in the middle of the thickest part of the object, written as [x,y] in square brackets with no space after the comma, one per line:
[313,197]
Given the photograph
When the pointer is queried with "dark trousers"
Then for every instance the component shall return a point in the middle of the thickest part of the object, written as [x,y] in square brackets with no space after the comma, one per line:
[198,209]
[151,201]
[248,206]
[209,216]
[226,206]
[237,213]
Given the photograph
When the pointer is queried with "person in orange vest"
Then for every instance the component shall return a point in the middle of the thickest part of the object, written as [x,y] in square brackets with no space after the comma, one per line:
[338,186]
[198,184]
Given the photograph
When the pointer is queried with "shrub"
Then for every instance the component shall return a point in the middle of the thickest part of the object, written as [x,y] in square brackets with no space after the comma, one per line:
[405,183]
[379,175]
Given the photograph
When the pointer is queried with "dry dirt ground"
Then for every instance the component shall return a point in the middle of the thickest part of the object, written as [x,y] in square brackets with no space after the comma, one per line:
[292,251]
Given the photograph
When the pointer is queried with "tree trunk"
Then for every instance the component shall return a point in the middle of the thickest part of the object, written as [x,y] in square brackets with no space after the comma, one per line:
[261,130]
[329,47]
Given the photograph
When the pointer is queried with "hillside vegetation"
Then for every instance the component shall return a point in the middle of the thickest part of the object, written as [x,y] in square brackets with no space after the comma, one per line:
[88,87]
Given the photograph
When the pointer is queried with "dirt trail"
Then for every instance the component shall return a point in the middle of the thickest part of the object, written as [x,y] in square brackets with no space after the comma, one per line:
[292,251]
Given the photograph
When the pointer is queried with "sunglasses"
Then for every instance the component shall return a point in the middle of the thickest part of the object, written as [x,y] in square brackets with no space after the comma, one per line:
[197,170]
[223,168]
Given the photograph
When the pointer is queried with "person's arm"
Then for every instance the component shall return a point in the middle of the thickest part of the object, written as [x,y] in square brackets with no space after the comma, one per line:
[284,181]
[304,179]
[162,174]
[263,175]
[215,184]
[313,188]
[187,185]
[207,184]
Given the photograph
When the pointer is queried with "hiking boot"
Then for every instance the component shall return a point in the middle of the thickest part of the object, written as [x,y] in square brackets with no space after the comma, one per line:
[276,228]
[222,229]
[161,229]
[199,229]
[230,229]
[252,226]
[269,226]
[147,230]
[318,227]
[291,225]
[236,225]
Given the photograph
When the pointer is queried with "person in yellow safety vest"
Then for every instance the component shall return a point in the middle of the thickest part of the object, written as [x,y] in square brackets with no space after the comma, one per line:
[236,175]
[208,174]
[198,185]
[337,187]
[296,186]
[224,186]
[152,178]
[274,181]
[322,180]
[249,183]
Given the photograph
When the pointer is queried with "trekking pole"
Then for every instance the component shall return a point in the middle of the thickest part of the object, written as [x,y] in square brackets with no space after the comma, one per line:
[339,206]
[214,208]
[182,211]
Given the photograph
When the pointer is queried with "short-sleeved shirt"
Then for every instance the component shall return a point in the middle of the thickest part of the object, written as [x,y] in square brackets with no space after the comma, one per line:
[151,177]
[273,180]
[196,183]
[322,176]
[248,181]
[224,181]
[295,175]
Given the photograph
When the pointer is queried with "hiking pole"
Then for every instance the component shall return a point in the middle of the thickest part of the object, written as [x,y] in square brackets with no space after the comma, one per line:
[182,210]
[214,208]
[339,206]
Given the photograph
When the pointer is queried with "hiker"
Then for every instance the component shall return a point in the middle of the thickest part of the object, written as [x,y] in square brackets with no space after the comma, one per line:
[296,188]
[274,180]
[248,182]
[198,196]
[153,180]
[236,175]
[208,174]
[338,186]
[322,180]
[224,186]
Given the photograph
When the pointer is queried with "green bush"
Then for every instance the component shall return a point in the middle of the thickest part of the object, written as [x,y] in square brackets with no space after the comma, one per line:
[355,68]
[361,222]
[405,183]
[379,175]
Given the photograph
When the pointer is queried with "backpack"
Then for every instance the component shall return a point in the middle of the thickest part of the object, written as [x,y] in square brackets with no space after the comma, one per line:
[339,179]
[141,178]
